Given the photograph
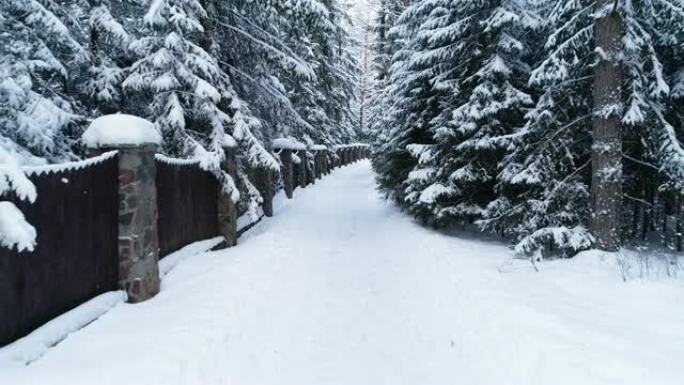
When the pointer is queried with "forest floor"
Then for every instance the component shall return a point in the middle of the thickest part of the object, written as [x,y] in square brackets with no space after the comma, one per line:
[339,287]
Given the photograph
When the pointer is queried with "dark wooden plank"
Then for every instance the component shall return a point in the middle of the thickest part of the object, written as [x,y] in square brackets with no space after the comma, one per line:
[187,201]
[76,217]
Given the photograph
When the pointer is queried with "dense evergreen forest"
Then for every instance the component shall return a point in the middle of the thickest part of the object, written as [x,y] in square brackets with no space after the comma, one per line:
[206,72]
[556,123]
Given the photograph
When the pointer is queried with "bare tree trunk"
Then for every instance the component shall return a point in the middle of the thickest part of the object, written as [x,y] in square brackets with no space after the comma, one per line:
[606,186]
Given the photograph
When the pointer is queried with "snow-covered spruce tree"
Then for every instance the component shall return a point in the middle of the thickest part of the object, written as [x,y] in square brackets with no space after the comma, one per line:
[271,51]
[408,99]
[182,87]
[40,50]
[547,177]
[256,50]
[175,82]
[477,53]
[384,45]
[327,100]
[111,27]
[463,83]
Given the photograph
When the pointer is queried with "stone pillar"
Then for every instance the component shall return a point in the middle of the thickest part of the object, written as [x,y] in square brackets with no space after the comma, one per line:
[302,168]
[326,162]
[263,180]
[138,240]
[310,169]
[287,173]
[227,211]
[318,164]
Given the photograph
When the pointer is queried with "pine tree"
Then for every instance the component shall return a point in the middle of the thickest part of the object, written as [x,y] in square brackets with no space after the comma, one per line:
[461,79]
[41,48]
[384,46]
[547,180]
[109,36]
[488,99]
[406,100]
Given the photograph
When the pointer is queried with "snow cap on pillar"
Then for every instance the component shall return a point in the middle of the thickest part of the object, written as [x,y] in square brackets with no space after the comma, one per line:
[121,130]
[229,141]
[287,144]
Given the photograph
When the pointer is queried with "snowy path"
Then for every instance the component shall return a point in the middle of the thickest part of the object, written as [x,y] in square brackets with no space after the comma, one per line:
[341,288]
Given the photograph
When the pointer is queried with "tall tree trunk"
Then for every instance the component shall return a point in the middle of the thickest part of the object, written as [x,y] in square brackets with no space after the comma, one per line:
[679,227]
[606,186]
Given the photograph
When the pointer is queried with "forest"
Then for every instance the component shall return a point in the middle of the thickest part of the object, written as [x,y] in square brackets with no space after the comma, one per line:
[208,73]
[555,123]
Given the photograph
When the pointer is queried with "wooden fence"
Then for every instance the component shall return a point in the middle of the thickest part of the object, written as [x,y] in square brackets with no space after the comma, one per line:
[76,257]
[187,199]
[80,211]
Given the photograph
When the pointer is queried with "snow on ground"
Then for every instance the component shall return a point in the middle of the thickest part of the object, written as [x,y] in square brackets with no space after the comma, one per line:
[341,288]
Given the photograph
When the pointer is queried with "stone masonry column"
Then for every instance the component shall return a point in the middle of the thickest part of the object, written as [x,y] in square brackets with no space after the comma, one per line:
[287,173]
[302,168]
[227,211]
[310,168]
[326,162]
[138,240]
[318,161]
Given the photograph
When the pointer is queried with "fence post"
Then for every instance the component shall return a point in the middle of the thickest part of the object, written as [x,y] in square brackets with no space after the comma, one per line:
[287,175]
[302,168]
[310,173]
[138,239]
[326,162]
[264,183]
[227,212]
[318,164]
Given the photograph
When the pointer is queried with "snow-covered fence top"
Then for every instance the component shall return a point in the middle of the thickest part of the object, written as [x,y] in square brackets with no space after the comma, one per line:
[68,166]
[176,161]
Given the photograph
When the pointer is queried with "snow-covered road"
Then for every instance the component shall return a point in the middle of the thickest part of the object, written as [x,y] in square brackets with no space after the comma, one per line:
[341,288]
